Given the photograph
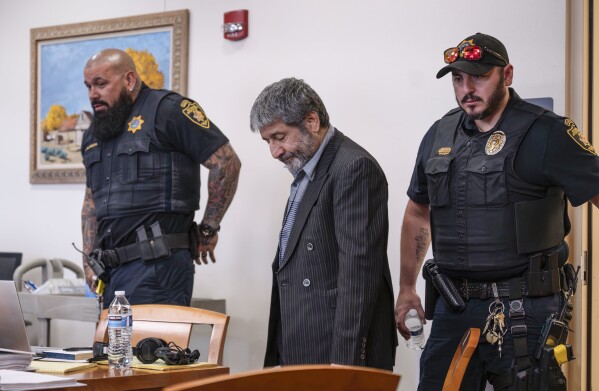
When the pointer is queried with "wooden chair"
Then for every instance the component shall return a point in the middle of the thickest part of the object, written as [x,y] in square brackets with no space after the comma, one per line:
[462,356]
[172,323]
[298,378]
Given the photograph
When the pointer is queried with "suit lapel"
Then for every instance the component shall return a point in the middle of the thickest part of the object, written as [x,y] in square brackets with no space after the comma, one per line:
[312,191]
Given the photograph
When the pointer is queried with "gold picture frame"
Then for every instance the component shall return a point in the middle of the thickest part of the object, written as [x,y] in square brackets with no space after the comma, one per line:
[59,98]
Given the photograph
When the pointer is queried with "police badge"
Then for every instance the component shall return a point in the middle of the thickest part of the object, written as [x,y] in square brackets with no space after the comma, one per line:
[135,124]
[495,143]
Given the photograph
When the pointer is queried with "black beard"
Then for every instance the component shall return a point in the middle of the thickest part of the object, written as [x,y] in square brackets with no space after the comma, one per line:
[109,124]
[494,100]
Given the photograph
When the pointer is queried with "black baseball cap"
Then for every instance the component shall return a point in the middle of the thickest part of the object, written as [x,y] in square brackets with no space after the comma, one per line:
[494,54]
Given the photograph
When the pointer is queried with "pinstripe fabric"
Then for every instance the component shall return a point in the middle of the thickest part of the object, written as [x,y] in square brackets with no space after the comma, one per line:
[332,298]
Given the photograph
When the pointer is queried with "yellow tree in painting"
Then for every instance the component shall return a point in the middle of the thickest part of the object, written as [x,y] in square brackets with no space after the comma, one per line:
[55,117]
[147,67]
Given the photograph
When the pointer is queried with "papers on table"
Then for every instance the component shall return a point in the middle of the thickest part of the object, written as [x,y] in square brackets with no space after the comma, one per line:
[18,380]
[16,361]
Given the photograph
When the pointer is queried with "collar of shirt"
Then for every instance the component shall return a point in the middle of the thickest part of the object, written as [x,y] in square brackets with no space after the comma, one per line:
[470,127]
[310,167]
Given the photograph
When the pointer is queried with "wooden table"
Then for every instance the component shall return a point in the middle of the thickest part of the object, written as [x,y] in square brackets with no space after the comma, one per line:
[101,378]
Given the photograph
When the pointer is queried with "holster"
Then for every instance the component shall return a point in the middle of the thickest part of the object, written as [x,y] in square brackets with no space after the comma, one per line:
[431,295]
[444,286]
[543,277]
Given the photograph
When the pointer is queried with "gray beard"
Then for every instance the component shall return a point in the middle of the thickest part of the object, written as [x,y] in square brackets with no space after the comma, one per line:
[305,151]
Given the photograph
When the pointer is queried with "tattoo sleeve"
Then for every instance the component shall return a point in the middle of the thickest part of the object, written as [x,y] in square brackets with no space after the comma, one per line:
[88,226]
[422,242]
[224,166]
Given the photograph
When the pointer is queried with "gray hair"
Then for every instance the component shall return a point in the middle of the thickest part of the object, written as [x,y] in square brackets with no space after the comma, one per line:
[288,101]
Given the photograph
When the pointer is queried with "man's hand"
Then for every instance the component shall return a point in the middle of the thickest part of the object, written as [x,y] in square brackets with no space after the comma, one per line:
[206,247]
[406,300]
[90,277]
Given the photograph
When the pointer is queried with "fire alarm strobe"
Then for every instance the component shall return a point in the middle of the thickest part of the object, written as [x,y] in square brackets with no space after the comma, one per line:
[236,25]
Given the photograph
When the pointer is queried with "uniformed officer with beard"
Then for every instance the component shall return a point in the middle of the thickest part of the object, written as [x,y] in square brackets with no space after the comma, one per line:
[490,186]
[142,156]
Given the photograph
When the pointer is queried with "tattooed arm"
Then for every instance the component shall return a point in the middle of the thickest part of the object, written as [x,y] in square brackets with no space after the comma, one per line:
[415,239]
[88,229]
[224,166]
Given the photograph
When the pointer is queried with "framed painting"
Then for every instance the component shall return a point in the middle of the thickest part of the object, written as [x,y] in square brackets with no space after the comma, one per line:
[60,108]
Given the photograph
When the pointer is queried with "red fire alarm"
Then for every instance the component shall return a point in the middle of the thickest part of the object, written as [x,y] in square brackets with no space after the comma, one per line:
[236,25]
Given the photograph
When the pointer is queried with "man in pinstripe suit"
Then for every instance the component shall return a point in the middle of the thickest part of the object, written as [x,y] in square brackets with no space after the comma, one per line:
[332,297]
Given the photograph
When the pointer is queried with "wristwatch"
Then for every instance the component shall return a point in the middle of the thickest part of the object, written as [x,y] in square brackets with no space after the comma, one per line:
[206,231]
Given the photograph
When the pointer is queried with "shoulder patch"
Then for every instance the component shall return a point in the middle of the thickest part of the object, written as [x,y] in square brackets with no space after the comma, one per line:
[578,137]
[194,112]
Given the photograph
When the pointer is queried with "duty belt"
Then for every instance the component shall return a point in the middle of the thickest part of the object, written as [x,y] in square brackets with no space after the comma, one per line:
[483,290]
[132,252]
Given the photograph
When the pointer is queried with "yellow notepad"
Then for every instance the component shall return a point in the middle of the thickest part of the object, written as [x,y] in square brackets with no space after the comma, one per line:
[59,366]
[162,366]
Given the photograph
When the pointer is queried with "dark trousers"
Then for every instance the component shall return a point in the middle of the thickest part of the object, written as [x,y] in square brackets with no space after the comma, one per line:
[167,281]
[449,327]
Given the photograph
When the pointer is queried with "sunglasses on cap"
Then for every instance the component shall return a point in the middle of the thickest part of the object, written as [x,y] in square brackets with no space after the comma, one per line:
[468,53]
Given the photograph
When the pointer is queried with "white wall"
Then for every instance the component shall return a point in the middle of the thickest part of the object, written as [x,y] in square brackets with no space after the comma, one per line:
[372,62]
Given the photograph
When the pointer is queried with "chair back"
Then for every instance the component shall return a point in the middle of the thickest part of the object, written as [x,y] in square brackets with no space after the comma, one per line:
[298,378]
[8,263]
[461,357]
[50,268]
[172,323]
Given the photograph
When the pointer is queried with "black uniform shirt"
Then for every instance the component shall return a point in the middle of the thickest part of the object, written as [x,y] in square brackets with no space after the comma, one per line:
[553,153]
[176,132]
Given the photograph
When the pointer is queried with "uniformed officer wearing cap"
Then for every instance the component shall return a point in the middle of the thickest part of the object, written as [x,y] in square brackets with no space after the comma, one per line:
[489,187]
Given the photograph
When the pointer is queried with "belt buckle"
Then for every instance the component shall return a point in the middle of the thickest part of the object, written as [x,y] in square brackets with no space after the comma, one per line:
[464,289]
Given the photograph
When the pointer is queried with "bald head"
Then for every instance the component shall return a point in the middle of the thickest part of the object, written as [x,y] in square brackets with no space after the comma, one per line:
[113,65]
[119,60]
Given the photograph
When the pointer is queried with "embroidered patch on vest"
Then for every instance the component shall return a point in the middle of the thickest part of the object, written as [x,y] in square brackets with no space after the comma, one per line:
[194,112]
[135,124]
[495,143]
[578,137]
[444,151]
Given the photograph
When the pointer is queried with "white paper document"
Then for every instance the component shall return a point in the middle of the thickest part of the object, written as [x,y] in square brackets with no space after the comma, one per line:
[19,380]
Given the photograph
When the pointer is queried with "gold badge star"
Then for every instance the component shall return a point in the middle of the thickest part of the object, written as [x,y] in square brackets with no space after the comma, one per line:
[135,124]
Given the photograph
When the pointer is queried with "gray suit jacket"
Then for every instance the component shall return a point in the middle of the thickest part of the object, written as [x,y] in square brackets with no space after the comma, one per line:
[332,298]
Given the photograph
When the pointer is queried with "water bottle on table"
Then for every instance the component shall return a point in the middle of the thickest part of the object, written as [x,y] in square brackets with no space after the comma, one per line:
[120,321]
[414,324]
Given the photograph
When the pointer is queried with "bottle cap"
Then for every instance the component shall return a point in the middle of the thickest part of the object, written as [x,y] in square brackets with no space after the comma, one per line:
[411,312]
[119,293]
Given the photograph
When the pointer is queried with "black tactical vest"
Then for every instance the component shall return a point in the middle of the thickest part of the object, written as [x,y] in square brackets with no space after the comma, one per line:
[134,174]
[476,228]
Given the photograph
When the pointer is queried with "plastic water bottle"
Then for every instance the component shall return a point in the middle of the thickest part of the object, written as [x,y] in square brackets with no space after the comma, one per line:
[414,324]
[120,320]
